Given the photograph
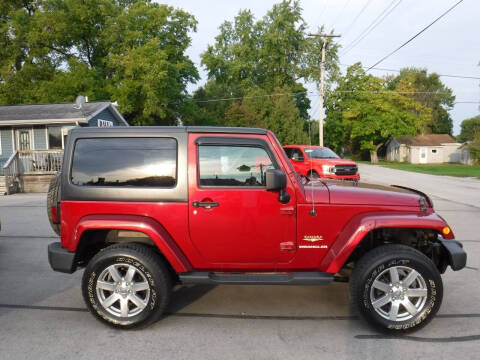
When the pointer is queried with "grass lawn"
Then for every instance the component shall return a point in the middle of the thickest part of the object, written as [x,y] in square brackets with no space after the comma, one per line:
[436,169]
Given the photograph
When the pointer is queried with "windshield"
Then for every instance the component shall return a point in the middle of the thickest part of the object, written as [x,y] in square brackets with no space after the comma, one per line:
[321,153]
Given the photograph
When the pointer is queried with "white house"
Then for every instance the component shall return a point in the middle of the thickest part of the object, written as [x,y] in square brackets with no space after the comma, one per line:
[424,149]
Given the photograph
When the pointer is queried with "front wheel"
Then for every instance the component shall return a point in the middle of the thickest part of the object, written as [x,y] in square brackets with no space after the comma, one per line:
[127,285]
[396,288]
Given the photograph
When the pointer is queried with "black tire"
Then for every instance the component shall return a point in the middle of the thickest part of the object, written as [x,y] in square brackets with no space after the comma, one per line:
[53,196]
[379,264]
[149,266]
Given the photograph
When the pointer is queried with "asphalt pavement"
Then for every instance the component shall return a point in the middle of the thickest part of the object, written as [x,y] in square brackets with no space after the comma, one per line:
[42,314]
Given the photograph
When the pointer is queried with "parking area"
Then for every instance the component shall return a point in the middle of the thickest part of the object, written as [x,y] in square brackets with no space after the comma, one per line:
[42,314]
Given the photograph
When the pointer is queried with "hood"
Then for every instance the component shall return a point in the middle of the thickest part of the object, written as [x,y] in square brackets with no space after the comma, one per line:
[351,193]
[343,192]
[334,162]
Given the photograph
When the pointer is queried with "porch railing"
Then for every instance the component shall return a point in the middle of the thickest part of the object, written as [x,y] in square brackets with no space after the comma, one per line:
[11,173]
[40,161]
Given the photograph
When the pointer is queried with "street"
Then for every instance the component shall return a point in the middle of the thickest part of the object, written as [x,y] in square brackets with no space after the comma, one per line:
[43,316]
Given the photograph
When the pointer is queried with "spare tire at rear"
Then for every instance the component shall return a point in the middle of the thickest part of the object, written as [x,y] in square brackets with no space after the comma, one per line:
[53,197]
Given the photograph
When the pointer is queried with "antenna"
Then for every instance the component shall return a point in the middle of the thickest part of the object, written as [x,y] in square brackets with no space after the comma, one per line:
[313,212]
[79,102]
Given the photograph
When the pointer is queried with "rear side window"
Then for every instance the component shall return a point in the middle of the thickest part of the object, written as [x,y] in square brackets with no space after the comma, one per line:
[132,162]
[233,165]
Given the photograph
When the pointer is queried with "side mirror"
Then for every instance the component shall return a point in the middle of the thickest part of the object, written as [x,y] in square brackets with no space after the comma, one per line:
[276,180]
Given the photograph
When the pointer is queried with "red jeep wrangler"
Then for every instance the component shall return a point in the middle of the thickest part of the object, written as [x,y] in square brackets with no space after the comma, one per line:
[316,162]
[145,208]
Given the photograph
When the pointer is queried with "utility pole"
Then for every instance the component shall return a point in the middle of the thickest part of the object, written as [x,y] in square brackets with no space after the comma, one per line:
[322,82]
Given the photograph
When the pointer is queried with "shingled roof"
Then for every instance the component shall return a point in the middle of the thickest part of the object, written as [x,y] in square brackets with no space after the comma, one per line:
[427,140]
[50,111]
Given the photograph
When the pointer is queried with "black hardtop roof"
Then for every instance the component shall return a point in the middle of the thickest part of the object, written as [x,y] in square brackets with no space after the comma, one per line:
[169,129]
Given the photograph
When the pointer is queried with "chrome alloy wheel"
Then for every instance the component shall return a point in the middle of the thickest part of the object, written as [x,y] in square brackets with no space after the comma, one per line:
[398,293]
[123,290]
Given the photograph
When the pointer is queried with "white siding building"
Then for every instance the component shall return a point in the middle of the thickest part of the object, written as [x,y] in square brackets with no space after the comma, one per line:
[424,149]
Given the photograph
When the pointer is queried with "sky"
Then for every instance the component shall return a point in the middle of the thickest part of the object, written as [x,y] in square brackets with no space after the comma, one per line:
[450,46]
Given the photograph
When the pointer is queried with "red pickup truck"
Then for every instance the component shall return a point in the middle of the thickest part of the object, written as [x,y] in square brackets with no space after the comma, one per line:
[316,162]
[144,208]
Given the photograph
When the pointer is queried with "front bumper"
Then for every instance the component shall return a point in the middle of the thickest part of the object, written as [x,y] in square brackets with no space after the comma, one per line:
[61,259]
[355,177]
[457,257]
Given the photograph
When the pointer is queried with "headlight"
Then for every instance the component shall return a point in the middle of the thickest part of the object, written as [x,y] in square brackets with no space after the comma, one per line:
[327,169]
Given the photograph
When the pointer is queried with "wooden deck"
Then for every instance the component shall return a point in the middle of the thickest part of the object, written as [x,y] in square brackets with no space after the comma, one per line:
[35,183]
[30,171]
[3,191]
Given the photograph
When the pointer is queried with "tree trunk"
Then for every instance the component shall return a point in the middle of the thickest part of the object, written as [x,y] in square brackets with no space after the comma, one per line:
[373,153]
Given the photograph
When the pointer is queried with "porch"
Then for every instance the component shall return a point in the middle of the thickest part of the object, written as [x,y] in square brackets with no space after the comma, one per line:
[30,171]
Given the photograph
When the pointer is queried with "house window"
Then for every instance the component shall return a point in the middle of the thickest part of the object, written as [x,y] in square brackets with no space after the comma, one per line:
[54,137]
[434,151]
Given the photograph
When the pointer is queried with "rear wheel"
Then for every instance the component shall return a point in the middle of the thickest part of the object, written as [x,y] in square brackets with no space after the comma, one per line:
[396,288]
[127,285]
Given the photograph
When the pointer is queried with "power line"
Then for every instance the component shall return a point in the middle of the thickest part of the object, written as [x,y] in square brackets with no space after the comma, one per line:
[390,92]
[356,17]
[253,97]
[377,21]
[415,36]
[340,13]
[326,92]
[322,12]
[443,75]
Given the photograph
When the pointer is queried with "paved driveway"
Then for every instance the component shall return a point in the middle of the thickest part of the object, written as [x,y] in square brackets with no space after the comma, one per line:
[459,190]
[42,314]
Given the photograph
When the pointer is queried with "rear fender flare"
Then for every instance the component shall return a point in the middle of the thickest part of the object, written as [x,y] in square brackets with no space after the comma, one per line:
[361,224]
[146,225]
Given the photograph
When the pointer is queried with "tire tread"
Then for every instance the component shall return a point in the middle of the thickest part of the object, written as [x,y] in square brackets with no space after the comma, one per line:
[156,264]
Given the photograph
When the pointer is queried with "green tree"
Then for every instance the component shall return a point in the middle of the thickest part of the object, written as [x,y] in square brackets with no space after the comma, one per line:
[276,112]
[362,111]
[271,53]
[430,92]
[470,128]
[132,51]
[474,148]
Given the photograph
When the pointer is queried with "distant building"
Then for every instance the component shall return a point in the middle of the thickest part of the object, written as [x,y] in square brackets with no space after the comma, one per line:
[32,138]
[424,149]
[466,157]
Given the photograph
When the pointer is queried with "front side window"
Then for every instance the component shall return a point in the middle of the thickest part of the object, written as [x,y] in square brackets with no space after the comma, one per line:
[223,165]
[133,162]
[297,155]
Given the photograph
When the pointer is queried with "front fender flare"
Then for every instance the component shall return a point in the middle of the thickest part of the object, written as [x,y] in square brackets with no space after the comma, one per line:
[146,225]
[361,224]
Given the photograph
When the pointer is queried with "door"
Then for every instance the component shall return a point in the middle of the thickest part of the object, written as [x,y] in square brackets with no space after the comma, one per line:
[24,140]
[423,155]
[298,161]
[233,218]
